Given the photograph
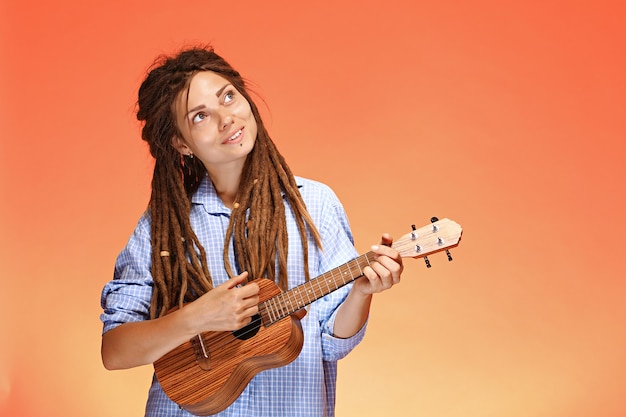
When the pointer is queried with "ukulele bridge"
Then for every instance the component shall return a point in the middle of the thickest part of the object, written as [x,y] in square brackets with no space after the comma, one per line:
[203,356]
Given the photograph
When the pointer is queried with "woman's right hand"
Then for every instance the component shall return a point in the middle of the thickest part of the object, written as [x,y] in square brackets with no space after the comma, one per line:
[229,306]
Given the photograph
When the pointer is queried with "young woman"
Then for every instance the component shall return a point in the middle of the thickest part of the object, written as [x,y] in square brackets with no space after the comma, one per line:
[225,209]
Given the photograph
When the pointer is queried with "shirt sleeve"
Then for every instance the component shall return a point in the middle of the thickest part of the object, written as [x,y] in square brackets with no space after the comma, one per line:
[337,249]
[127,297]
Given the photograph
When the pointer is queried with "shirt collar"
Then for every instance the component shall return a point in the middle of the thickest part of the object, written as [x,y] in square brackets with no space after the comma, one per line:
[206,196]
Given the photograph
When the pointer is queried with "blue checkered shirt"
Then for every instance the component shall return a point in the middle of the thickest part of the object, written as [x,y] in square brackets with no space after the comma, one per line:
[305,387]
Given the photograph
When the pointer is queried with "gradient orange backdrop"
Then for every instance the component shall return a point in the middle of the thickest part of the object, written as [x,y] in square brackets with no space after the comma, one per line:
[506,117]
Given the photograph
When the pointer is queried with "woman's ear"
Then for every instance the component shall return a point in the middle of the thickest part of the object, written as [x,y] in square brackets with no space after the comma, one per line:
[181,146]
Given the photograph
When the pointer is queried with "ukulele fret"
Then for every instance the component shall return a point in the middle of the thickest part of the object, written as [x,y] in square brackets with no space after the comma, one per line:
[281,305]
[287,303]
[301,303]
[292,303]
[272,309]
[360,272]
[266,314]
[343,270]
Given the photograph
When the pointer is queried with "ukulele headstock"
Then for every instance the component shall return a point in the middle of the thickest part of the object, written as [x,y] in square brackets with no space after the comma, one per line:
[440,235]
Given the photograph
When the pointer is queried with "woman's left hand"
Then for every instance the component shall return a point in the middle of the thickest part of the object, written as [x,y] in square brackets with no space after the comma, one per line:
[384,272]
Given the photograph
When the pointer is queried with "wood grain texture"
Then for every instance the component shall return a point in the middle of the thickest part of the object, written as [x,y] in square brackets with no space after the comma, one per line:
[208,373]
[233,362]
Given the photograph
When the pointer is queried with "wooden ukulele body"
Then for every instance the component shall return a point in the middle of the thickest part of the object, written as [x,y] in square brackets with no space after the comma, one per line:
[208,373]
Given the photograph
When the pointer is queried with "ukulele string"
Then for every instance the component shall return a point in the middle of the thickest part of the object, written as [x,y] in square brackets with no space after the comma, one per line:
[224,338]
[284,307]
[276,313]
[286,303]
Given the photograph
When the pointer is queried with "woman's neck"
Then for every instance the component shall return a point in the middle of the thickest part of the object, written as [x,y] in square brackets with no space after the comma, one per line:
[226,186]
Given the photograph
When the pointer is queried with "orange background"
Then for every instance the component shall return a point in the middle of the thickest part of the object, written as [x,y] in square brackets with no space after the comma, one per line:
[508,118]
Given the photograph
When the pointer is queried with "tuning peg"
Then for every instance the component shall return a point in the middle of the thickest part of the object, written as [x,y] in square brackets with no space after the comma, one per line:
[417,248]
[435,228]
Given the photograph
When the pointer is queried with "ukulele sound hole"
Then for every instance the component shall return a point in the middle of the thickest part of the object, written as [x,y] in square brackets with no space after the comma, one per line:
[249,330]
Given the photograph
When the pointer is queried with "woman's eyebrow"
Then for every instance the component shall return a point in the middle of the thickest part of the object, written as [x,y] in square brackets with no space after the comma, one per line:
[221,90]
[200,107]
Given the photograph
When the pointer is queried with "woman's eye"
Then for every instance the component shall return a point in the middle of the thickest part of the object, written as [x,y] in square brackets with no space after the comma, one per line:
[198,118]
[229,96]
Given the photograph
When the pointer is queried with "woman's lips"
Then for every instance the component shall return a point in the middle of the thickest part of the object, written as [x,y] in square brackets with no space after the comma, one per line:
[235,137]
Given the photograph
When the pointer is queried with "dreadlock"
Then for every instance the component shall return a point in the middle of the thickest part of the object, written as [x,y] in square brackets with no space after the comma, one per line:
[257,224]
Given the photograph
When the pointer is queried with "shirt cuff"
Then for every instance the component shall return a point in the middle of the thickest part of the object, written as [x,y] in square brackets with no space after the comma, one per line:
[336,348]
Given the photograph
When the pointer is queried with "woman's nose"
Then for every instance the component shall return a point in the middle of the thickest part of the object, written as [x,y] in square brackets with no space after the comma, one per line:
[226,119]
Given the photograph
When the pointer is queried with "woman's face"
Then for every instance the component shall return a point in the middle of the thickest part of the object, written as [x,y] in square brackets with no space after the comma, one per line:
[216,122]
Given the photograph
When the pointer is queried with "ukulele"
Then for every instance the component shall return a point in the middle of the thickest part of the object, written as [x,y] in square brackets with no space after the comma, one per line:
[206,374]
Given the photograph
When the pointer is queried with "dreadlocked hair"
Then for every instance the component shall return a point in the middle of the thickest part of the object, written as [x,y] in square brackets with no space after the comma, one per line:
[257,225]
